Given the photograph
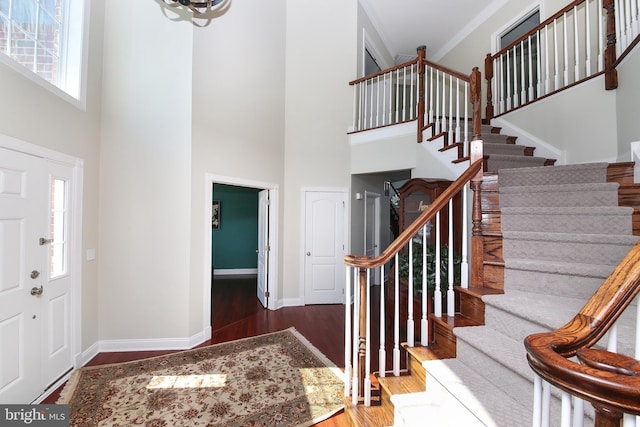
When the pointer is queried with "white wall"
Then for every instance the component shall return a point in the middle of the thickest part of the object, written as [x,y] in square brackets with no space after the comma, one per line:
[145,164]
[238,115]
[35,115]
[321,58]
[627,100]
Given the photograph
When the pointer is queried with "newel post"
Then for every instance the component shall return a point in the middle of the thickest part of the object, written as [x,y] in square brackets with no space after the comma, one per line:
[475,153]
[488,75]
[610,72]
[422,54]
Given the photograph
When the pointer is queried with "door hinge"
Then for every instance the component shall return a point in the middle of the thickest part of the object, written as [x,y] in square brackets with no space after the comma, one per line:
[267,248]
[267,294]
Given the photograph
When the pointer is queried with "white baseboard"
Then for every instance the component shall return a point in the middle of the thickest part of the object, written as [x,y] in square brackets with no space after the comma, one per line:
[234,271]
[152,344]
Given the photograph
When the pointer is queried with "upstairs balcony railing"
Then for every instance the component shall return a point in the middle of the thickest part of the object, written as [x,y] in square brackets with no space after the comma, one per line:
[436,97]
[581,41]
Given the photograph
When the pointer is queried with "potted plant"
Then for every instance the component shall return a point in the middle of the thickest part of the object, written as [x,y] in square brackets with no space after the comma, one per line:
[403,263]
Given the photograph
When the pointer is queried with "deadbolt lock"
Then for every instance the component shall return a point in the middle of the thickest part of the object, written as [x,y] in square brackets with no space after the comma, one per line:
[35,274]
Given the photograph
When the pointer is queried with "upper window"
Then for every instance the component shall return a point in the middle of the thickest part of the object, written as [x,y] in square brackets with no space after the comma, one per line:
[45,36]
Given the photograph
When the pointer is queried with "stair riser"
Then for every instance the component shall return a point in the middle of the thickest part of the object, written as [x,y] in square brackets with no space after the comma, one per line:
[510,149]
[574,174]
[502,161]
[552,283]
[565,251]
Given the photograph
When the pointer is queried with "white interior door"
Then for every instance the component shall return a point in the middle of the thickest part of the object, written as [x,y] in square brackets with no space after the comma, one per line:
[263,247]
[34,312]
[372,229]
[325,224]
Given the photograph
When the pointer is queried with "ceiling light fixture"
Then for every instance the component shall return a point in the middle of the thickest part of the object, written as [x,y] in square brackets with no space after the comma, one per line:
[198,7]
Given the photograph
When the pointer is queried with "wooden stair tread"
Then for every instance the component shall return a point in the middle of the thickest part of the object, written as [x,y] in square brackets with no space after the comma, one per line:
[402,384]
[480,291]
[456,321]
[369,416]
[423,353]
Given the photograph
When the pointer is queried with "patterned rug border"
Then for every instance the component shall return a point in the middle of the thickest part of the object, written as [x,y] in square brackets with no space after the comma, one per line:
[70,387]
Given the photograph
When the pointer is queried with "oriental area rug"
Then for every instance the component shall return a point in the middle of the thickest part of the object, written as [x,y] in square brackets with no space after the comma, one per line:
[276,379]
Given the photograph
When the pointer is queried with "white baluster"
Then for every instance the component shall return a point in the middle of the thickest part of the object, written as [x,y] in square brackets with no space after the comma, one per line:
[619,26]
[457,130]
[384,100]
[565,416]
[404,94]
[530,58]
[576,44]
[556,60]
[410,325]
[566,49]
[546,404]
[396,321]
[499,71]
[443,119]
[537,401]
[464,264]
[437,295]
[430,97]
[451,298]
[355,384]
[367,346]
[467,150]
[547,81]
[377,91]
[412,102]
[539,84]
[436,128]
[398,105]
[587,59]
[612,344]
[523,82]
[601,36]
[347,333]
[635,19]
[382,352]
[508,90]
[424,323]
[578,412]
[450,135]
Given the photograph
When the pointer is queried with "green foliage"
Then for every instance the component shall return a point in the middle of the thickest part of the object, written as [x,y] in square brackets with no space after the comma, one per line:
[403,260]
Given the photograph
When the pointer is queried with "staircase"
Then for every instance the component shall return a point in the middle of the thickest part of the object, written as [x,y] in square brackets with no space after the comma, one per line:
[563,233]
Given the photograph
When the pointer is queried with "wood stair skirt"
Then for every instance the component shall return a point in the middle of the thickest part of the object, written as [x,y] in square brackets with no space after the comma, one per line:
[475,371]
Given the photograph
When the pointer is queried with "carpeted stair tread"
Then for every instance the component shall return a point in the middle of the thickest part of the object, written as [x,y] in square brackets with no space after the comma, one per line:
[490,403]
[552,283]
[564,174]
[492,148]
[594,220]
[601,271]
[570,195]
[581,248]
[497,162]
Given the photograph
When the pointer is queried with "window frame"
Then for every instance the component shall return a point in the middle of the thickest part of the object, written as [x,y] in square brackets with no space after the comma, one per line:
[74,48]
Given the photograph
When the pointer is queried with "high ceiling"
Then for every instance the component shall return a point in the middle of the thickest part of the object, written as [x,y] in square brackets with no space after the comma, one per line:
[406,24]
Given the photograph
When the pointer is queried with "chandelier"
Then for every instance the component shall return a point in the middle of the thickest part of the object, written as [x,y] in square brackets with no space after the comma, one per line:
[198,7]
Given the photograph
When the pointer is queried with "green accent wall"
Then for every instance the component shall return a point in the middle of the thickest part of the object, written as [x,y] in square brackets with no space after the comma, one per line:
[234,244]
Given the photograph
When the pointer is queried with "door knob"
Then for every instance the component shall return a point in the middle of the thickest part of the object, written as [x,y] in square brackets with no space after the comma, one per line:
[308,253]
[44,241]
[34,274]
[37,291]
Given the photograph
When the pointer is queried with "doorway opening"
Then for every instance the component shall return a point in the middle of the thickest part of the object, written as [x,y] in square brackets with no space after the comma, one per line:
[241,250]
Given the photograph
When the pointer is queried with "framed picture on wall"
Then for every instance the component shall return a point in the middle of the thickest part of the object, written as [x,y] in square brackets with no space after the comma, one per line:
[215,214]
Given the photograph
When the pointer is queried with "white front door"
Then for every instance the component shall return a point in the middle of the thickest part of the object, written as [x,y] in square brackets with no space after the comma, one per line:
[325,224]
[372,229]
[263,247]
[35,319]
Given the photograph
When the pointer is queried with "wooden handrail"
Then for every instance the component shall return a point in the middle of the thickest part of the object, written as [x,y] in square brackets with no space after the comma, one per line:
[446,70]
[547,353]
[383,72]
[426,216]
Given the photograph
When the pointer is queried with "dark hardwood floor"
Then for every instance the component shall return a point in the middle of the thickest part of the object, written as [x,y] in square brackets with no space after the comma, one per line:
[237,313]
